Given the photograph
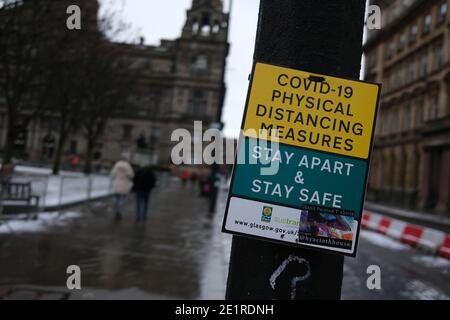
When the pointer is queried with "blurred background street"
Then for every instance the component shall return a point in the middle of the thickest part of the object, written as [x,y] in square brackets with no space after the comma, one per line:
[178,253]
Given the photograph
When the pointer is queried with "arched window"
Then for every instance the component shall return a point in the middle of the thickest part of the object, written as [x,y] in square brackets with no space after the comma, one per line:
[206,30]
[200,62]
[405,120]
[195,27]
[433,107]
[216,27]
[198,106]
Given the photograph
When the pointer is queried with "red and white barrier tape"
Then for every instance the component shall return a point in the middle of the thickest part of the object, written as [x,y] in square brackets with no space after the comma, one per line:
[434,241]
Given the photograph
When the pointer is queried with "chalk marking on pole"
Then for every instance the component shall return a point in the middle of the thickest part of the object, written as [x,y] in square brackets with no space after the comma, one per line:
[273,278]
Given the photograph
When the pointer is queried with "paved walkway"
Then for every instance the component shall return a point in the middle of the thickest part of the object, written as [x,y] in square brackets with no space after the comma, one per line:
[177,254]
[429,220]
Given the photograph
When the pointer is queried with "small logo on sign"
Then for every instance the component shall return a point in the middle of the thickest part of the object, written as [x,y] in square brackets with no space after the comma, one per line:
[266,214]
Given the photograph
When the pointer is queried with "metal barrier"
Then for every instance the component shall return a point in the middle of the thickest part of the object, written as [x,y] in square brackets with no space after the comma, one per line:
[64,189]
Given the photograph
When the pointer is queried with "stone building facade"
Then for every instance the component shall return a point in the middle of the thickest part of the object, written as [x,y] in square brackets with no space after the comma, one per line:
[181,81]
[410,56]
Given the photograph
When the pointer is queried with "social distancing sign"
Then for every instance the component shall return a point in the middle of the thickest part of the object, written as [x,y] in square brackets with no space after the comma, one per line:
[335,115]
[302,163]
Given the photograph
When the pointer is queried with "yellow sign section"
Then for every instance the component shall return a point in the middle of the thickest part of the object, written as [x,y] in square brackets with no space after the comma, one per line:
[313,111]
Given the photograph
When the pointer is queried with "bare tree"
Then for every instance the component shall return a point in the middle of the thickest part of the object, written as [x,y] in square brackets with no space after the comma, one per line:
[71,81]
[110,83]
[86,77]
[23,44]
[78,77]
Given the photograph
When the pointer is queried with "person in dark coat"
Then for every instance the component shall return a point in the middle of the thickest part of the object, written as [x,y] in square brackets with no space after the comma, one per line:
[144,182]
[213,183]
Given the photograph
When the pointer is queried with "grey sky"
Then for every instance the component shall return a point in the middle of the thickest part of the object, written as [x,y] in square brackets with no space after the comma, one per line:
[156,19]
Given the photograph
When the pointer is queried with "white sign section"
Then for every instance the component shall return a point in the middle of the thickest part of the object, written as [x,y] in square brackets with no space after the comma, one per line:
[281,223]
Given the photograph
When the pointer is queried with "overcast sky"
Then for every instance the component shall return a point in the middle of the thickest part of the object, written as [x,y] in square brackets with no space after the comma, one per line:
[157,19]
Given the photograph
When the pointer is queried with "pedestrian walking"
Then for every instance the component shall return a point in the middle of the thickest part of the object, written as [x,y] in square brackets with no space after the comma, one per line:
[193,178]
[213,183]
[75,161]
[143,183]
[122,176]
[184,176]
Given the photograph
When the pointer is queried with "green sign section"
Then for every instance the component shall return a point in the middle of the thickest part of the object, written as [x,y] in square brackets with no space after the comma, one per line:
[296,177]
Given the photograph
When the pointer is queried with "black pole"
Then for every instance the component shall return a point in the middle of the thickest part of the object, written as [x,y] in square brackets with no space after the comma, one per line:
[224,66]
[215,168]
[320,36]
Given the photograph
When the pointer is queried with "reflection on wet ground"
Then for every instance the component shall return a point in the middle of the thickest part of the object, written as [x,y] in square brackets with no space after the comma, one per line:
[177,254]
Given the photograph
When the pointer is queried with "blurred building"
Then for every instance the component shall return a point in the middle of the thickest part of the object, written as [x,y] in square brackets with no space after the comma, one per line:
[410,55]
[38,141]
[180,81]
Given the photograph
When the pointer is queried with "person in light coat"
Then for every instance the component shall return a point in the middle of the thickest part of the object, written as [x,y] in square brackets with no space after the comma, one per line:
[122,181]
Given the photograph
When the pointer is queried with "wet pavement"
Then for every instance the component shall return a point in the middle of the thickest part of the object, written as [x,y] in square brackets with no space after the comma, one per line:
[179,253]
[406,273]
[176,254]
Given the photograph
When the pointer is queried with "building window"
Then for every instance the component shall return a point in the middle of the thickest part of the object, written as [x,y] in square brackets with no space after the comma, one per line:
[423,65]
[433,107]
[384,125]
[195,27]
[198,104]
[391,49]
[393,80]
[394,122]
[216,27]
[411,70]
[156,131]
[413,33]
[418,113]
[426,23]
[198,107]
[126,133]
[437,61]
[443,8]
[200,63]
[402,74]
[155,101]
[387,81]
[205,30]
[405,118]
[399,77]
[402,41]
